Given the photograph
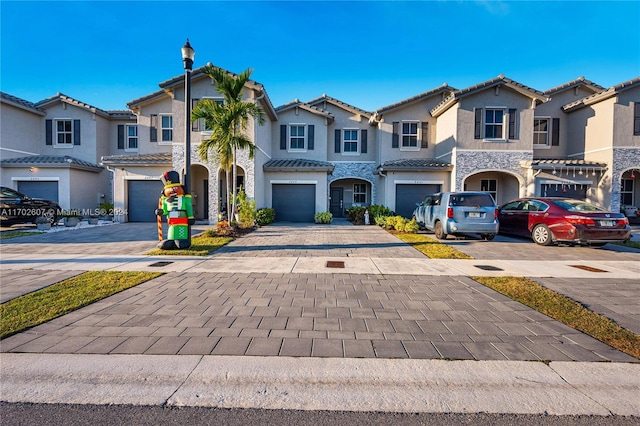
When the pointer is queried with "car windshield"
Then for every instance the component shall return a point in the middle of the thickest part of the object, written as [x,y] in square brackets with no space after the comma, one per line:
[483,200]
[578,206]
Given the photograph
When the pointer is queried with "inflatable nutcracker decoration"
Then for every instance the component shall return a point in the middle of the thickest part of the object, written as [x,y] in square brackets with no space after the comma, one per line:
[177,207]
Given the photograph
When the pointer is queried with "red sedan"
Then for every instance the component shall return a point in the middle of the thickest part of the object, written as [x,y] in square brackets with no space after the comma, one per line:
[549,220]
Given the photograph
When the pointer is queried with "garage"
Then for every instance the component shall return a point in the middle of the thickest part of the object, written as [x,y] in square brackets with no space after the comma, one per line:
[407,195]
[142,199]
[294,203]
[39,189]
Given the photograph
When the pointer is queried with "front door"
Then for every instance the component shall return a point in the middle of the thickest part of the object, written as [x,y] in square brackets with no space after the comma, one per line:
[336,203]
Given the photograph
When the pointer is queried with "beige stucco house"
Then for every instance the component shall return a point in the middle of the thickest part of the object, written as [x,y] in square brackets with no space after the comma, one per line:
[577,139]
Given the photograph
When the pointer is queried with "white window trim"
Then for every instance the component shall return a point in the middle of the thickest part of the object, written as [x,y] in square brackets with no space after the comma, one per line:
[505,123]
[55,136]
[127,146]
[418,137]
[160,129]
[489,191]
[357,141]
[306,135]
[632,192]
[548,144]
[360,193]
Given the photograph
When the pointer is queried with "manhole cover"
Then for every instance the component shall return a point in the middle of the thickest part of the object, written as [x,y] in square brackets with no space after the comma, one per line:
[488,268]
[160,264]
[588,268]
[335,264]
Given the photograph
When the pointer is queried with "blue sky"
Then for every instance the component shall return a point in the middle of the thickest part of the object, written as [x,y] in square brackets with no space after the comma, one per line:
[366,53]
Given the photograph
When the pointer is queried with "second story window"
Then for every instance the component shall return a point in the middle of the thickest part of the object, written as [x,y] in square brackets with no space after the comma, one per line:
[351,141]
[541,131]
[296,136]
[64,133]
[132,137]
[167,128]
[410,134]
[493,123]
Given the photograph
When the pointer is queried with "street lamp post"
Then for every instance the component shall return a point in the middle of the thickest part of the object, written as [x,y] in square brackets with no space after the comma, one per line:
[187,58]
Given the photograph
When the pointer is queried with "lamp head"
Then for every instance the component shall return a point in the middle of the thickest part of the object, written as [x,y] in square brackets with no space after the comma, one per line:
[187,56]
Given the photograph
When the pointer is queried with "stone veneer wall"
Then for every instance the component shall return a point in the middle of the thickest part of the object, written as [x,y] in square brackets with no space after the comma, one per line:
[365,171]
[470,162]
[623,160]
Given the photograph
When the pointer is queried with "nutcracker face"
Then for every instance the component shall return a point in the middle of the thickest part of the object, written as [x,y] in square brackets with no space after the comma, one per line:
[174,191]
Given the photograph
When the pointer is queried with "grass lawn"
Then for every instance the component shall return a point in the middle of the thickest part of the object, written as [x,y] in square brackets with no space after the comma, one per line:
[565,310]
[60,298]
[430,247]
[7,235]
[201,245]
[634,244]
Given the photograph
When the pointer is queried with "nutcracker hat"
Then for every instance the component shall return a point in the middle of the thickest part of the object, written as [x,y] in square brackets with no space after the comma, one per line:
[170,179]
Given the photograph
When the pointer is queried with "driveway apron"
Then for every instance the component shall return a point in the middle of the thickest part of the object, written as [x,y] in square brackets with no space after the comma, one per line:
[303,315]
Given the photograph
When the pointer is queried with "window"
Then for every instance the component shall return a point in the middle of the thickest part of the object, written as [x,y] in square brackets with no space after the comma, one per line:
[167,128]
[541,131]
[64,133]
[360,193]
[493,123]
[626,192]
[491,186]
[636,118]
[351,141]
[132,137]
[410,134]
[296,136]
[201,125]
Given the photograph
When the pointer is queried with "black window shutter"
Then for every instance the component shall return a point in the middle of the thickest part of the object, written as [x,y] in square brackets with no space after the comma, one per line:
[337,141]
[311,138]
[120,136]
[478,124]
[153,129]
[363,137]
[512,124]
[425,135]
[555,132]
[195,126]
[636,118]
[395,137]
[48,125]
[76,132]
[283,136]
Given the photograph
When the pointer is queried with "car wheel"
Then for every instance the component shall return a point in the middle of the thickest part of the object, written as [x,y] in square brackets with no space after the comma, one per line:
[541,235]
[51,216]
[488,237]
[439,232]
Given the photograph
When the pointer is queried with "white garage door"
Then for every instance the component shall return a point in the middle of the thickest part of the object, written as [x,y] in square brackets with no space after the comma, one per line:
[408,195]
[294,203]
[142,200]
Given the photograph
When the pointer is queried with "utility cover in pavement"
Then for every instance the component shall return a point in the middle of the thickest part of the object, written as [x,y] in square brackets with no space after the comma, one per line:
[335,264]
[588,268]
[488,268]
[160,264]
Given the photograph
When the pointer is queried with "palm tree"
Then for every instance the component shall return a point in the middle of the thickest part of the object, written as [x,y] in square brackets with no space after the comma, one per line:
[227,122]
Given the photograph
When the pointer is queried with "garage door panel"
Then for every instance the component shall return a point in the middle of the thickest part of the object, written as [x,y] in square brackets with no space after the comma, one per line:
[142,199]
[294,203]
[408,195]
[47,190]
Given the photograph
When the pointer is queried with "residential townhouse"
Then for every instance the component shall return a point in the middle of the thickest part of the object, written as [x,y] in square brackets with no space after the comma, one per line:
[52,149]
[578,139]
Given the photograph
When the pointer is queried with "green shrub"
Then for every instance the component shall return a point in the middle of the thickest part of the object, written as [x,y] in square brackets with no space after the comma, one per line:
[376,211]
[265,216]
[411,226]
[323,217]
[246,210]
[381,220]
[355,214]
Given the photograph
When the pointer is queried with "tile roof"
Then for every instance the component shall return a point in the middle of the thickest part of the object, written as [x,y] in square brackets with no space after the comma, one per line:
[49,161]
[414,164]
[21,103]
[158,159]
[598,97]
[580,81]
[297,165]
[305,106]
[500,80]
[444,88]
[339,104]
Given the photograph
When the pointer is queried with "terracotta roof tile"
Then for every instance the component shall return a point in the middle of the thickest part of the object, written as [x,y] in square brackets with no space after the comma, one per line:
[162,158]
[48,160]
[22,103]
[297,164]
[415,164]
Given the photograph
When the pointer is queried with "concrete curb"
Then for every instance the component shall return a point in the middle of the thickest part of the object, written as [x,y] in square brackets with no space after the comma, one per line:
[392,385]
